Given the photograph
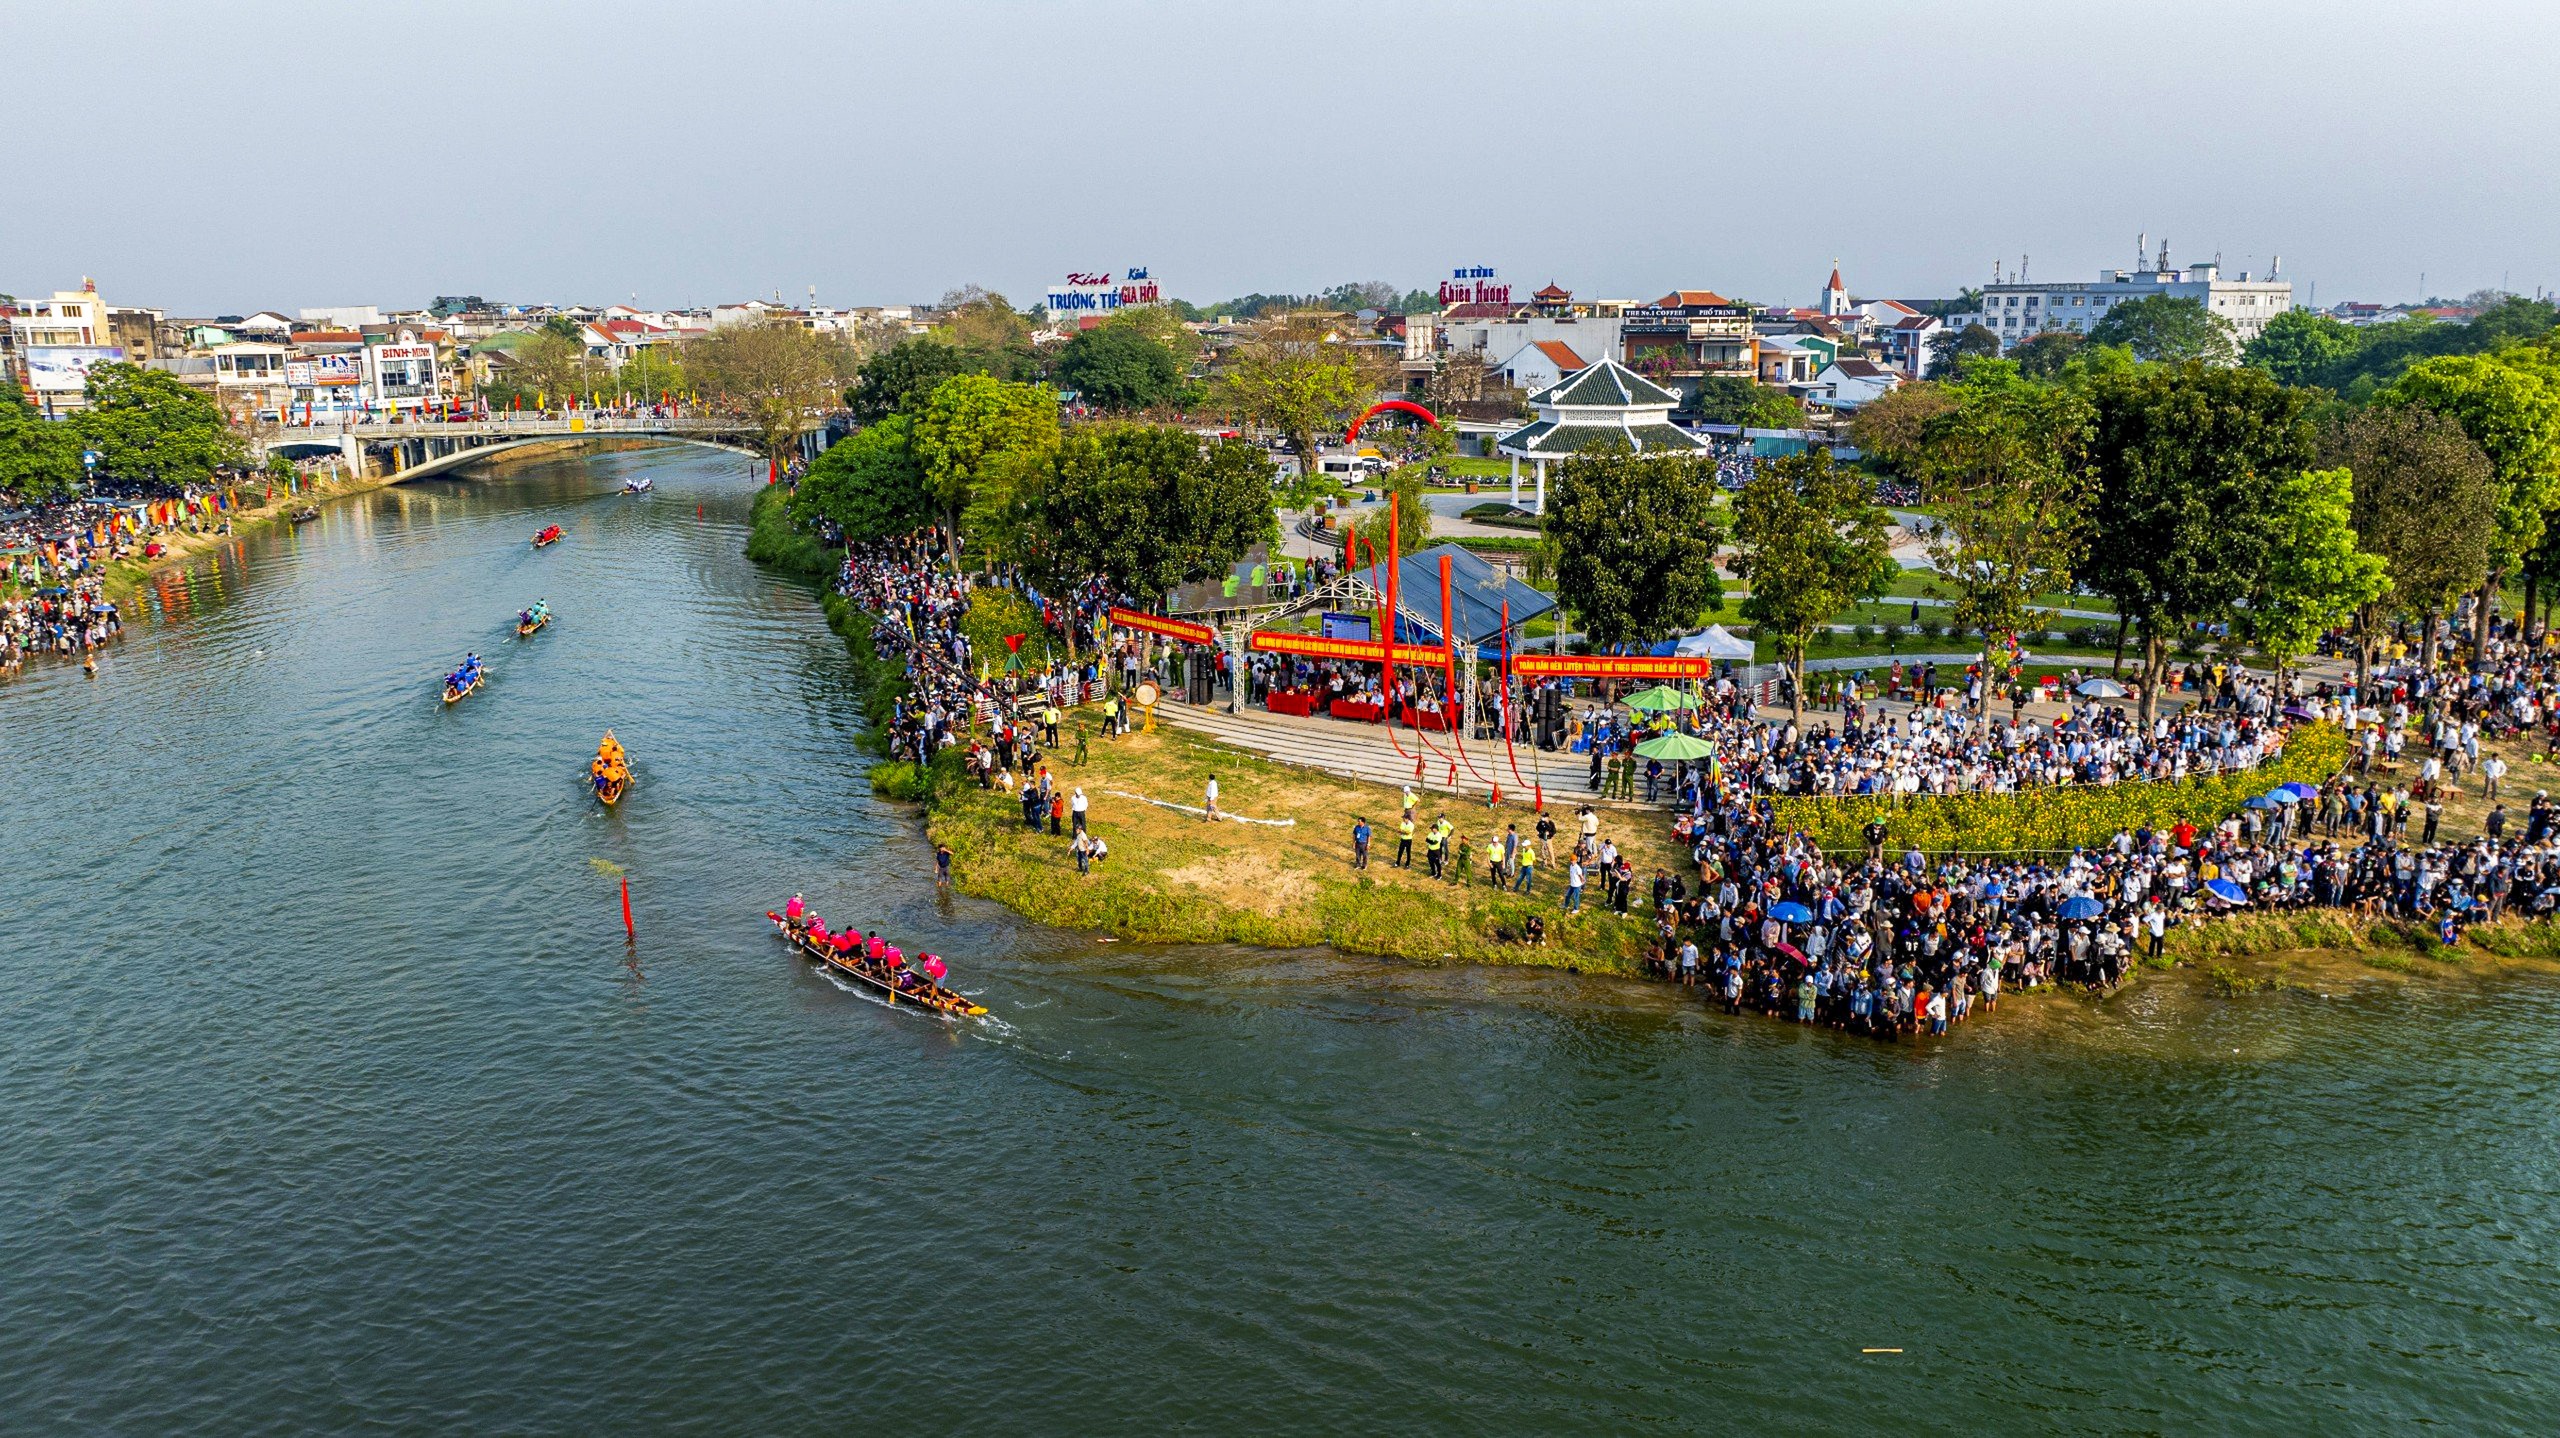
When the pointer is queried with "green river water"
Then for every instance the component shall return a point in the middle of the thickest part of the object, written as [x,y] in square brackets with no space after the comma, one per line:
[332,1100]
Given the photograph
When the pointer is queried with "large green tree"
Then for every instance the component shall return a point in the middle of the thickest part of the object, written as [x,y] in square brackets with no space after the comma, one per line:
[2187,464]
[39,458]
[2003,468]
[902,375]
[147,426]
[1144,508]
[1810,541]
[2317,576]
[651,374]
[2509,403]
[773,374]
[2165,327]
[1119,367]
[2425,503]
[967,430]
[1636,538]
[2299,346]
[1729,399]
[1948,346]
[871,485]
[2042,356]
[984,326]
[1294,376]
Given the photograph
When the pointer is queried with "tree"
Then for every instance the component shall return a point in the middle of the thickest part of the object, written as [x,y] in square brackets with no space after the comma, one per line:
[901,375]
[1118,367]
[1403,486]
[2298,346]
[968,426]
[2167,328]
[1144,508]
[549,366]
[149,427]
[1729,399]
[2042,356]
[984,326]
[651,374]
[1292,377]
[2510,406]
[1636,538]
[2425,502]
[2002,466]
[870,486]
[1887,429]
[2317,575]
[2186,464]
[771,373]
[1950,345]
[39,458]
[1811,542]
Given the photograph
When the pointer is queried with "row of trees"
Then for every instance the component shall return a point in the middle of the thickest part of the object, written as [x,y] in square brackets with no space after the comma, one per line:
[2194,494]
[140,427]
[1142,507]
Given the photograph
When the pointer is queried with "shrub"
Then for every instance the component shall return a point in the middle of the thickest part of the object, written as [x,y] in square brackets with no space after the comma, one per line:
[2059,818]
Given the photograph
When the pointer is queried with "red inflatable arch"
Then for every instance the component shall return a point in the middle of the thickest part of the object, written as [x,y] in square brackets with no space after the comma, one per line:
[1407,406]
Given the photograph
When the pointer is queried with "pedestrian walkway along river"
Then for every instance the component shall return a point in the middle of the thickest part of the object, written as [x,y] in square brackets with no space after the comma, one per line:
[331,1097]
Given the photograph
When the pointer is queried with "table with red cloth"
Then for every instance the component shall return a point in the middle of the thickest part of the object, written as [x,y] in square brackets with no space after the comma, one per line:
[1284,703]
[1359,709]
[1425,719]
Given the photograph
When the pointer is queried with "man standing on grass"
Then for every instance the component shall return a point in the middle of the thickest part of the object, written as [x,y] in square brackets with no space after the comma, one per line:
[1573,887]
[1404,841]
[1211,811]
[1360,844]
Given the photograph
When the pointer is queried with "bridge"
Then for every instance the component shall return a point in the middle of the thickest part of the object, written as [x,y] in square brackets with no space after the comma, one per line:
[408,451]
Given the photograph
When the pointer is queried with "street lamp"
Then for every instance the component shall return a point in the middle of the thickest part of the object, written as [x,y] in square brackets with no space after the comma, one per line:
[89,468]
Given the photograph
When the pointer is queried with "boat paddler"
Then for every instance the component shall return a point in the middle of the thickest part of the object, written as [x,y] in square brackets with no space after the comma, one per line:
[877,948]
[792,911]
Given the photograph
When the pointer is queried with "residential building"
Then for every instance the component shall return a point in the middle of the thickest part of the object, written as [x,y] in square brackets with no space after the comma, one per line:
[1497,329]
[402,375]
[1541,365]
[1852,381]
[1687,335]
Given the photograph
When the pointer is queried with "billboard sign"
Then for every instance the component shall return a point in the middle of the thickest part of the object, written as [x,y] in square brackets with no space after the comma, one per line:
[64,369]
[322,371]
[1088,293]
[1474,285]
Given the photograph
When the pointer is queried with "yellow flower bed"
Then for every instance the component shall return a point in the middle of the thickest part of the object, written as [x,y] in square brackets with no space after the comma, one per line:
[2060,817]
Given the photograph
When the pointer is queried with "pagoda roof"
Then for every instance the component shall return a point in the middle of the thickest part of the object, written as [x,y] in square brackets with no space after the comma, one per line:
[1609,384]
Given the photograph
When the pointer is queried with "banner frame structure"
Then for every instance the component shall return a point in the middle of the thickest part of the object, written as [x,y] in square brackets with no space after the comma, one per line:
[1157,624]
[1611,666]
[1367,651]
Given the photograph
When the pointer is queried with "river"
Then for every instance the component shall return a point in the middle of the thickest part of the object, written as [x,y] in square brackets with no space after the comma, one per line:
[332,1098]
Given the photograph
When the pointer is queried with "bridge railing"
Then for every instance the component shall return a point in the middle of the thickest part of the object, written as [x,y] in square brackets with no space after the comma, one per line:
[513,427]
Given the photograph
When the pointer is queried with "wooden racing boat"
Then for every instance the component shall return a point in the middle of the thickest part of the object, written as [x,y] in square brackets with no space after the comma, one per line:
[547,537]
[916,988]
[306,514]
[527,628]
[611,787]
[456,696]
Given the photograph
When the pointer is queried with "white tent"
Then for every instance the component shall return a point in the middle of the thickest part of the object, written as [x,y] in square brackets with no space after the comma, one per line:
[1713,643]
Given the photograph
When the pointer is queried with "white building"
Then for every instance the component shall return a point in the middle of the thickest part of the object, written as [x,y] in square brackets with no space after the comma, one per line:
[2015,310]
[1850,381]
[1541,365]
[400,376]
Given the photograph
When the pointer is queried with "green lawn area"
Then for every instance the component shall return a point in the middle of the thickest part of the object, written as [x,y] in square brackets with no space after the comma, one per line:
[1923,584]
[1478,469]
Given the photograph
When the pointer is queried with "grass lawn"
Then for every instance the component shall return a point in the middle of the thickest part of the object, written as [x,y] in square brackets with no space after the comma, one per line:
[1923,584]
[1173,877]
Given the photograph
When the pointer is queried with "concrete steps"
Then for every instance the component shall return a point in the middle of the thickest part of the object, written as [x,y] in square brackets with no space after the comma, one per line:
[1365,752]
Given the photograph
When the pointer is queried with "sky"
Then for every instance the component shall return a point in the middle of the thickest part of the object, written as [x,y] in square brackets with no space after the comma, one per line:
[224,158]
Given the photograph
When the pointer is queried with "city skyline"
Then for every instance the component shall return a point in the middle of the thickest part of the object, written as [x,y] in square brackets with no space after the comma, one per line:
[583,155]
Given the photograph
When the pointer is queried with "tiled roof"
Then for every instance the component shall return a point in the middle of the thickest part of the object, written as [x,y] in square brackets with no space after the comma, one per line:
[1566,360]
[1546,437]
[1472,311]
[1553,291]
[1684,299]
[1606,383]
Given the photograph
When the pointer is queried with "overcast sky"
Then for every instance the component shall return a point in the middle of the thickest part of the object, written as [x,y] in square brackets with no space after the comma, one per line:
[227,157]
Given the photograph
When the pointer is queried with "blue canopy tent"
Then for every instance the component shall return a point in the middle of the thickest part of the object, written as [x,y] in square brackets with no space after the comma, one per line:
[1477,589]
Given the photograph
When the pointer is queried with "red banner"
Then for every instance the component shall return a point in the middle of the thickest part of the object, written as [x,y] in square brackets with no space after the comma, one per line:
[1609,666]
[1365,650]
[1181,629]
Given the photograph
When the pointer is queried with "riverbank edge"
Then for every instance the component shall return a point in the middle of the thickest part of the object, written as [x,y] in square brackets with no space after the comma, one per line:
[122,579]
[2230,956]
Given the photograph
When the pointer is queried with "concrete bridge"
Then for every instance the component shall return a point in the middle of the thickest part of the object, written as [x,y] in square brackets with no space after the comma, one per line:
[415,451]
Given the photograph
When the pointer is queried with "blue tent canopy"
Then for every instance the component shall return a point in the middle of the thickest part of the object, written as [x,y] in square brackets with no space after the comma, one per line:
[1477,590]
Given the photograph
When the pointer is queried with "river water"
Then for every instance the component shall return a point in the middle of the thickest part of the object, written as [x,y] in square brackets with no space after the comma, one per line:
[332,1098]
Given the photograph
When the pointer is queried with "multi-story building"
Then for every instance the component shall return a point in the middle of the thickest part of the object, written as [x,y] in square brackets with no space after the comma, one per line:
[1687,335]
[2017,309]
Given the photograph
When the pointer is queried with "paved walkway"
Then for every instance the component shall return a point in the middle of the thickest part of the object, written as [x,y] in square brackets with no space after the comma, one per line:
[1369,752]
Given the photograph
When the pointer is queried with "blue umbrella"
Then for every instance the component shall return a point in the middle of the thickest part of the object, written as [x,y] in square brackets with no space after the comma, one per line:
[1791,913]
[2227,891]
[2260,802]
[2284,796]
[2083,907]
[2302,790]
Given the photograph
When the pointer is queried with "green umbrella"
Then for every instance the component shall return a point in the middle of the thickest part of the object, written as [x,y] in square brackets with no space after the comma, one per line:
[1676,746]
[1660,699]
